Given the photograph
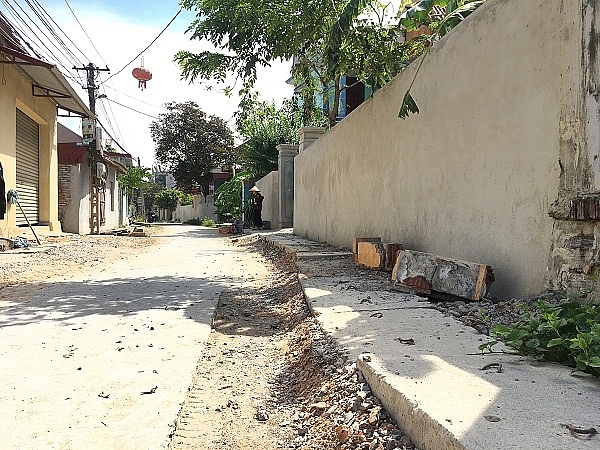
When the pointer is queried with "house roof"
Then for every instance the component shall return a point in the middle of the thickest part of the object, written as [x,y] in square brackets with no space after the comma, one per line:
[46,79]
[65,135]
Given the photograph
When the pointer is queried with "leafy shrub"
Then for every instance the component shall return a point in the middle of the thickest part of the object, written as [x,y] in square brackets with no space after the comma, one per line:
[167,199]
[568,333]
[185,199]
[206,222]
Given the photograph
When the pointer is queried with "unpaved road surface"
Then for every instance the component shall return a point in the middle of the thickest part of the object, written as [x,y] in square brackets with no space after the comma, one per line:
[103,358]
[184,340]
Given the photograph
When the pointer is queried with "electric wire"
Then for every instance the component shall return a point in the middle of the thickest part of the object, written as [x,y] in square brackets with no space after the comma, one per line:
[24,40]
[25,33]
[46,37]
[42,50]
[61,30]
[135,99]
[39,14]
[113,139]
[130,108]
[84,32]
[102,107]
[116,128]
[149,45]
[18,25]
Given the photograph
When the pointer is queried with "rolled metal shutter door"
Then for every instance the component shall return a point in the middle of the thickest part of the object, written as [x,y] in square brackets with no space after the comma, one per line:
[28,168]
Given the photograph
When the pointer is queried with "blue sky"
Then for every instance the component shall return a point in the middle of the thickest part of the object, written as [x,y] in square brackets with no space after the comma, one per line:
[150,12]
[119,31]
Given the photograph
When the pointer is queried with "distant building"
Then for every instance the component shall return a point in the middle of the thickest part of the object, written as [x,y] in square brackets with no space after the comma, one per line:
[74,185]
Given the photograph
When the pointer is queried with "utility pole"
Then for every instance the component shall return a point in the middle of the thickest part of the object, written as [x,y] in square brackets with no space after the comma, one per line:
[96,182]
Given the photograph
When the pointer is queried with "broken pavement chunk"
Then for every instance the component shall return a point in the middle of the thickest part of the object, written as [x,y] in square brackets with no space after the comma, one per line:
[428,273]
[358,240]
[377,255]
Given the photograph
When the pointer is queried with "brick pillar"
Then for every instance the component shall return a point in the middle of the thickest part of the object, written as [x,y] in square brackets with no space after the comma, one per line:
[287,152]
[308,135]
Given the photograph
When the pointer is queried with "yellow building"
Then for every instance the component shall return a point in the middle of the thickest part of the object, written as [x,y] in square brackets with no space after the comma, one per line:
[31,92]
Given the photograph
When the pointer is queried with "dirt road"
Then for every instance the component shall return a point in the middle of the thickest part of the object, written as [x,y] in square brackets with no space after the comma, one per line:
[183,340]
[103,358]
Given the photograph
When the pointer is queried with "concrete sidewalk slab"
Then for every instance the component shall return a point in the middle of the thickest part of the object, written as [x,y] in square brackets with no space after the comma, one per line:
[426,369]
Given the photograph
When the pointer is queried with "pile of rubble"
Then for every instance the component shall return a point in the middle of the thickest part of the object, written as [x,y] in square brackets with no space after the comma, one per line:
[334,407]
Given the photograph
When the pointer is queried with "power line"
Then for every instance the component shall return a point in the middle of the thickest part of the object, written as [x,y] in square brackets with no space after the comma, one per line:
[84,32]
[61,30]
[136,99]
[42,18]
[124,106]
[149,45]
[42,50]
[47,38]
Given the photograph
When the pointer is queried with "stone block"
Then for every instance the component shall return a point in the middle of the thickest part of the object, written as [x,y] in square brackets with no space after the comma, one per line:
[355,242]
[429,273]
[377,255]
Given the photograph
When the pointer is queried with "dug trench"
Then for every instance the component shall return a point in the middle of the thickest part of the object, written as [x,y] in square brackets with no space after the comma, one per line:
[269,378]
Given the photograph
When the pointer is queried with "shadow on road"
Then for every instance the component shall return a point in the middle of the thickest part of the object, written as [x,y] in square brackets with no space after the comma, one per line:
[65,301]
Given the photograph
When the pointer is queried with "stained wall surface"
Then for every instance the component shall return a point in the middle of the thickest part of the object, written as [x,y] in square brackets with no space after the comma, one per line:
[473,175]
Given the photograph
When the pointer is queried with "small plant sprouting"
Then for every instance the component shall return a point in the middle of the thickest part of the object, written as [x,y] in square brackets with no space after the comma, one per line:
[568,333]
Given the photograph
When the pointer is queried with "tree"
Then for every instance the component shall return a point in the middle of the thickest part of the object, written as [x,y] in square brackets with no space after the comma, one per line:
[190,143]
[326,39]
[134,181]
[228,198]
[135,178]
[167,199]
[263,126]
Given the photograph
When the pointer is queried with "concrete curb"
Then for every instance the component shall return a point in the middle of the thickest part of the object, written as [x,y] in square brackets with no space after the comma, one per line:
[419,425]
[438,386]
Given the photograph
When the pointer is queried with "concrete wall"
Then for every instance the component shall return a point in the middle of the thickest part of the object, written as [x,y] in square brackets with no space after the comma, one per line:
[269,187]
[474,174]
[75,199]
[17,93]
[113,217]
[76,213]
[203,207]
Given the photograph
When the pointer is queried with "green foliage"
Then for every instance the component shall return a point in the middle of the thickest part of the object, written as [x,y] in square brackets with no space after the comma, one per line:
[185,199]
[134,178]
[409,106]
[206,222]
[568,333]
[263,126]
[170,198]
[228,197]
[190,143]
[327,40]
[167,199]
[420,14]
[150,191]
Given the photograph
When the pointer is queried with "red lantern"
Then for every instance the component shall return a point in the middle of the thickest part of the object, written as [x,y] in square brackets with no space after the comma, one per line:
[142,75]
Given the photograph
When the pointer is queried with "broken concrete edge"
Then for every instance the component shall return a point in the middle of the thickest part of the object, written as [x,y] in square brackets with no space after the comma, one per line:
[424,431]
[377,255]
[426,272]
[358,240]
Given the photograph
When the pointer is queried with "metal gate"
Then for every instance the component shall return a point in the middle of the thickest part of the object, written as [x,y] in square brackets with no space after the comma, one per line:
[28,168]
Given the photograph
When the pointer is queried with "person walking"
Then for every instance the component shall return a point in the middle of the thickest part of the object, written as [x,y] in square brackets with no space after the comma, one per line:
[257,201]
